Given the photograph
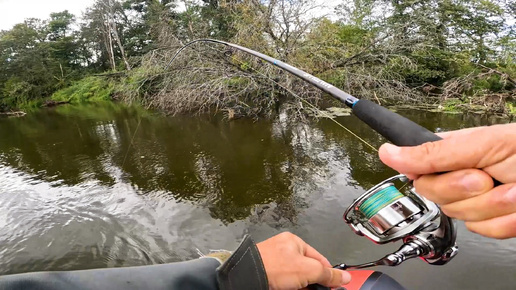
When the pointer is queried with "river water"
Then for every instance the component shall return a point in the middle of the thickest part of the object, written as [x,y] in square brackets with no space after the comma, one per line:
[111,186]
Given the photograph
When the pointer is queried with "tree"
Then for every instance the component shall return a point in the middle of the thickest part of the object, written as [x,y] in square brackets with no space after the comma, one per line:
[360,13]
[103,18]
[38,57]
[25,73]
[59,24]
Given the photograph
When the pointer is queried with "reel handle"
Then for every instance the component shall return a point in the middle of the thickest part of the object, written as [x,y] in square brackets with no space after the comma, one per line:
[395,128]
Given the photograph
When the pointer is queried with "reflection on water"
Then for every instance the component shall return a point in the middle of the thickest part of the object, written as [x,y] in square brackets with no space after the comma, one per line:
[110,186]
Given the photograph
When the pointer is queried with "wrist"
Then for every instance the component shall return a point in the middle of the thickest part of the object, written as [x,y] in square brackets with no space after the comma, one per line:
[243,269]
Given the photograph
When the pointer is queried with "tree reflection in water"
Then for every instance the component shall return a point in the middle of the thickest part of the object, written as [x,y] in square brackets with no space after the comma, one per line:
[81,188]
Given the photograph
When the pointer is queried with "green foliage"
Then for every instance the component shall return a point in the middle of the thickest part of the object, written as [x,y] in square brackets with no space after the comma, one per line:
[59,24]
[15,91]
[351,34]
[511,107]
[37,58]
[236,82]
[359,13]
[90,89]
[396,51]
[245,65]
[451,105]
[491,83]
[137,84]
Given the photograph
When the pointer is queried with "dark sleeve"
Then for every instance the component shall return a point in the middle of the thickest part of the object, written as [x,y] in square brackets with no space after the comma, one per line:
[242,270]
[195,274]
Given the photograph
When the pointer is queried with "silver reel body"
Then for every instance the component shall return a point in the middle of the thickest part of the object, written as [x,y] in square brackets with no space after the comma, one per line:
[386,214]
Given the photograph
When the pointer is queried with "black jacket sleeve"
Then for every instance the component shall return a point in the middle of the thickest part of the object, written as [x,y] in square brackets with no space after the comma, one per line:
[242,270]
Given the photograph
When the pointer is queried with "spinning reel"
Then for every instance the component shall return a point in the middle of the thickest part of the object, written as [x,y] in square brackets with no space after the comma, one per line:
[387,214]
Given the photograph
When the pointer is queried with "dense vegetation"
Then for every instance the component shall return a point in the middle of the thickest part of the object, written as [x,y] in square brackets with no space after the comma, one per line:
[448,53]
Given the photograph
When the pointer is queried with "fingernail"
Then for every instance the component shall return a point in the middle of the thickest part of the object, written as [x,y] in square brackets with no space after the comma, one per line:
[346,277]
[472,183]
[392,149]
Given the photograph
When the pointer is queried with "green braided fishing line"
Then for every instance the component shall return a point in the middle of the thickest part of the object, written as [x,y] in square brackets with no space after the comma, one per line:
[379,200]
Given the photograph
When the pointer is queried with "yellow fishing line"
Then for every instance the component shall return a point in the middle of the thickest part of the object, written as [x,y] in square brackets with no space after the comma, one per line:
[324,113]
[309,104]
[132,140]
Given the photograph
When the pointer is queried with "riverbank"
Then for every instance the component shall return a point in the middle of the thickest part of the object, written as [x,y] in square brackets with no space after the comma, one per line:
[132,88]
[456,106]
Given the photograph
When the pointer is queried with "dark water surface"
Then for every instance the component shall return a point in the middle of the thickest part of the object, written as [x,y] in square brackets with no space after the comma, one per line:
[75,195]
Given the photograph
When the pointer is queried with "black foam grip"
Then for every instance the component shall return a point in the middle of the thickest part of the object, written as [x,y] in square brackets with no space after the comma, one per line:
[395,128]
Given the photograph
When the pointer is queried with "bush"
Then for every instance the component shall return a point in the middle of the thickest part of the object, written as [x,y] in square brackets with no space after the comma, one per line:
[511,108]
[90,89]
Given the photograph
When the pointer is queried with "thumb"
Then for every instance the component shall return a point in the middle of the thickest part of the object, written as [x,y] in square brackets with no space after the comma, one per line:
[330,277]
[467,151]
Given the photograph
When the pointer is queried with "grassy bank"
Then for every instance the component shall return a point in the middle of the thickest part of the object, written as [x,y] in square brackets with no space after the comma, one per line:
[89,89]
[256,90]
[142,87]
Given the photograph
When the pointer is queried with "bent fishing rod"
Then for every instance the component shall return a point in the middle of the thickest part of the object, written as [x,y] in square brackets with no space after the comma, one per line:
[395,128]
[390,211]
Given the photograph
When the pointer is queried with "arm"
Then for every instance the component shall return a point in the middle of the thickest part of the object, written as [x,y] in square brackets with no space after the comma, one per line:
[281,262]
[196,274]
[230,271]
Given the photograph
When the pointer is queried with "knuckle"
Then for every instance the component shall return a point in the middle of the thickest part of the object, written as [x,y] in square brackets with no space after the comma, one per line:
[287,242]
[422,188]
[429,151]
[330,277]
[286,235]
[501,199]
[450,212]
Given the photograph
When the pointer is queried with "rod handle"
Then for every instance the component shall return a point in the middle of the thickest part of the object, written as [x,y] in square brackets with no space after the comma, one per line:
[395,128]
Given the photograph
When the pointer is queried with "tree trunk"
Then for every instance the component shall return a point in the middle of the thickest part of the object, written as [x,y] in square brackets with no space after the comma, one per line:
[109,45]
[122,51]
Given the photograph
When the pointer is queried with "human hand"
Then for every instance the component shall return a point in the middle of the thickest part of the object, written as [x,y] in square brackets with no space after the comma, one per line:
[472,158]
[290,263]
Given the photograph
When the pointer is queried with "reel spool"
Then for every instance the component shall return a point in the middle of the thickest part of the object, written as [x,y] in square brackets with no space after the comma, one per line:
[384,214]
[387,214]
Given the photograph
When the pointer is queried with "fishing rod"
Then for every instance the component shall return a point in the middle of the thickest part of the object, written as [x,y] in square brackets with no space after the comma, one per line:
[395,128]
[385,213]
